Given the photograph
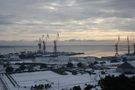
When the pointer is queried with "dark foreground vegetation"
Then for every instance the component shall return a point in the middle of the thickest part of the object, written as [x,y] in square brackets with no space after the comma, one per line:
[121,82]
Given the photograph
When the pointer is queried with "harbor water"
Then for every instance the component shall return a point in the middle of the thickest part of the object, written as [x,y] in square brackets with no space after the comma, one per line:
[89,50]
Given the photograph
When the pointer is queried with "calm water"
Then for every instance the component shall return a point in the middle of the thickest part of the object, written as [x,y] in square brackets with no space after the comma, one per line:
[91,50]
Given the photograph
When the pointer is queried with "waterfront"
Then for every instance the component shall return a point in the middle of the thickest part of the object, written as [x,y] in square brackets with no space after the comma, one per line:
[89,50]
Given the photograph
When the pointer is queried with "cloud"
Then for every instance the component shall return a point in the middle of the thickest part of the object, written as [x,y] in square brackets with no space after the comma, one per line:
[6,19]
[27,19]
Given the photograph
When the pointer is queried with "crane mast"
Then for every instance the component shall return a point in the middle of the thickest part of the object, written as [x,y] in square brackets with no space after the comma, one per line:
[55,43]
[116,46]
[128,45]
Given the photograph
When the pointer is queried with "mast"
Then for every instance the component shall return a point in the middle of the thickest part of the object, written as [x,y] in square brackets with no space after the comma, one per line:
[116,50]
[55,46]
[116,46]
[44,46]
[55,43]
[134,47]
[44,42]
[128,45]
[39,45]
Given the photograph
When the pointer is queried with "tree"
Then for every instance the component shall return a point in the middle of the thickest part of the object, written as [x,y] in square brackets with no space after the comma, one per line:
[70,65]
[76,88]
[88,87]
[121,82]
[95,62]
[74,72]
[22,56]
[80,65]
[9,69]
[22,67]
[42,66]
[2,56]
[1,61]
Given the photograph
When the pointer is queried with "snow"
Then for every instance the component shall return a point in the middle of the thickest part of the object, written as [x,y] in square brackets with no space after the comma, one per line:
[131,63]
[1,85]
[56,80]
[28,79]
[7,83]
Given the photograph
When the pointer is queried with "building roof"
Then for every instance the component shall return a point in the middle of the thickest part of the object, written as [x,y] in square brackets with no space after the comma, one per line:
[132,63]
[129,65]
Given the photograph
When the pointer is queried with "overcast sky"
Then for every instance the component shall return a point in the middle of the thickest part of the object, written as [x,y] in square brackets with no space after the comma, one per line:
[73,19]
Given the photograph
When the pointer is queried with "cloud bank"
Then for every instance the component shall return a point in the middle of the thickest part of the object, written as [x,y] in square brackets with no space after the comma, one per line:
[74,19]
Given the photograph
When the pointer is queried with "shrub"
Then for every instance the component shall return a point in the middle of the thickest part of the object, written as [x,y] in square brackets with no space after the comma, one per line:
[88,87]
[70,65]
[9,69]
[121,82]
[76,88]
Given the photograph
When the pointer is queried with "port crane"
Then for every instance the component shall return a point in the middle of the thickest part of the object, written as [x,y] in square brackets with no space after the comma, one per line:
[55,43]
[116,46]
[39,45]
[44,40]
[128,45]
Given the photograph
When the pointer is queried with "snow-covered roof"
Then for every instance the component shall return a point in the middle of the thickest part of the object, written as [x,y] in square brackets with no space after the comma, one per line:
[128,65]
[132,63]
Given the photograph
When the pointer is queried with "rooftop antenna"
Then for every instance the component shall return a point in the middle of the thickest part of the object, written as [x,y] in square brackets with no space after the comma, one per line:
[128,45]
[116,46]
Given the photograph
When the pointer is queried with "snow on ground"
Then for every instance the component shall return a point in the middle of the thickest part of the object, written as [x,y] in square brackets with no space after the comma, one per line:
[57,81]
[1,85]
[8,83]
[28,79]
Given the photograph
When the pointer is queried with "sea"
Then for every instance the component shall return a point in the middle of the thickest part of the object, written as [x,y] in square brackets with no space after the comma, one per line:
[88,50]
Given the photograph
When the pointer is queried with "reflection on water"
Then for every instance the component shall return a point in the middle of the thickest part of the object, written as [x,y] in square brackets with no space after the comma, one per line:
[89,50]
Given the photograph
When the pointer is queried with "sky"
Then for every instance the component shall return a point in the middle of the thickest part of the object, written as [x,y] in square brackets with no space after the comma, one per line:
[73,19]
